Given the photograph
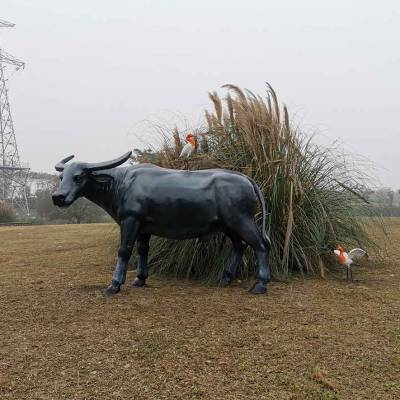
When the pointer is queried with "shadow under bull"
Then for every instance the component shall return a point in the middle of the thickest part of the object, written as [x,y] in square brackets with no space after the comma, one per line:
[149,200]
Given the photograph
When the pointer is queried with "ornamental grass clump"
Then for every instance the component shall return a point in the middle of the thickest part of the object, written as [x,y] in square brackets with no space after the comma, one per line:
[314,199]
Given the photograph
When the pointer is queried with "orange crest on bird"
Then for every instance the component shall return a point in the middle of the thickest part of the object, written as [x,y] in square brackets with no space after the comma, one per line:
[190,138]
[341,256]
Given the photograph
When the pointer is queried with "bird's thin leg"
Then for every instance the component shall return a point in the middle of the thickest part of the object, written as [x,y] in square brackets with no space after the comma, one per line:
[351,274]
[347,274]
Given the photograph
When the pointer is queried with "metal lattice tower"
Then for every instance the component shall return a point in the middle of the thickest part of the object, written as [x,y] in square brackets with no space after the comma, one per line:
[13,174]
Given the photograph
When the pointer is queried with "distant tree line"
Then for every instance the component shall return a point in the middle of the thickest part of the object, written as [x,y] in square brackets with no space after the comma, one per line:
[385,200]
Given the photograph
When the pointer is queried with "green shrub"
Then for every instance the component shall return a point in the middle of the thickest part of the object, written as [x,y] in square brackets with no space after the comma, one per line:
[7,213]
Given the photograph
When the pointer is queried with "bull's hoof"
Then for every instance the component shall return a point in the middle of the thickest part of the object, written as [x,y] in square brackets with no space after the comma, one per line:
[226,279]
[112,289]
[138,283]
[258,288]
[225,282]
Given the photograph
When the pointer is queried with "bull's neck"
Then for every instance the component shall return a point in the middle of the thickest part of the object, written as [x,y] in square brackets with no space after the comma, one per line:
[106,194]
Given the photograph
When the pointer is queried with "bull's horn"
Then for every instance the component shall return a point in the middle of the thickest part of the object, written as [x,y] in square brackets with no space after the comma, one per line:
[108,164]
[60,166]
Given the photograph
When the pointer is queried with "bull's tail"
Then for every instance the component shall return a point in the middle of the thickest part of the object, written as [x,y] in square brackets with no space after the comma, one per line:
[264,209]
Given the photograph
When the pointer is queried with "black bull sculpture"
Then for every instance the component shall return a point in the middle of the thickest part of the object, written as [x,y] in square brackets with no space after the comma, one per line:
[148,200]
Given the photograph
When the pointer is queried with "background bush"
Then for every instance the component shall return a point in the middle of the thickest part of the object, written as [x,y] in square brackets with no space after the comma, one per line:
[7,213]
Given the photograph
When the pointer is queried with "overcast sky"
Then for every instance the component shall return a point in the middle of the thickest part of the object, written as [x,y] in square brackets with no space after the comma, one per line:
[96,69]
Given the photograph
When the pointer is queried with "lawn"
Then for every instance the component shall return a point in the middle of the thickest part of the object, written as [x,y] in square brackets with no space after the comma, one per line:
[61,338]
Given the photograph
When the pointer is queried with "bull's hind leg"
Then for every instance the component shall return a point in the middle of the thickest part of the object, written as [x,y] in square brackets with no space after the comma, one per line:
[230,271]
[129,228]
[246,229]
[143,250]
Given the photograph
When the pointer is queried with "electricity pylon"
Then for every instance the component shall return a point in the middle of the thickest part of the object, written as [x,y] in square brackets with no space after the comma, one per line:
[13,174]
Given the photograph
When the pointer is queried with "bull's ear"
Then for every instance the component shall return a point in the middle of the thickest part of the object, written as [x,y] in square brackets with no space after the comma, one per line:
[102,178]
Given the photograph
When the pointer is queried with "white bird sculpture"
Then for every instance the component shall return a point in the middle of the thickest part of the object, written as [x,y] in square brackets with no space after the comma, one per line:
[188,148]
[346,259]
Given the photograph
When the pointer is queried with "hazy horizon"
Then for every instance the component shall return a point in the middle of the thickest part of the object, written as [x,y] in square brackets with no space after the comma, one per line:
[96,70]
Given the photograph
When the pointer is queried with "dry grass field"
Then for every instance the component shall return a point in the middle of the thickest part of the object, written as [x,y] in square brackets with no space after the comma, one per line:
[307,339]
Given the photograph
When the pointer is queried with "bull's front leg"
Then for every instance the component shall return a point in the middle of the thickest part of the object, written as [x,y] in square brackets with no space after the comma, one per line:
[129,229]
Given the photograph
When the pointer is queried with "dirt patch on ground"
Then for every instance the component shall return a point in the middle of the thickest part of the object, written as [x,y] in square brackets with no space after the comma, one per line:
[307,339]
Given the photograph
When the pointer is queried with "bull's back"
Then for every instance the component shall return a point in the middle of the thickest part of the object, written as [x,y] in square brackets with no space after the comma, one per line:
[182,204]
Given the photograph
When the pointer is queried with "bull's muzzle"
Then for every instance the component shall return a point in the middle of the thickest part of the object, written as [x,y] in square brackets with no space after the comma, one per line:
[59,199]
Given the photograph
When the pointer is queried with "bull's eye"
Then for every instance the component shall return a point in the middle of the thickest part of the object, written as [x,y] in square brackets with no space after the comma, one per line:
[78,179]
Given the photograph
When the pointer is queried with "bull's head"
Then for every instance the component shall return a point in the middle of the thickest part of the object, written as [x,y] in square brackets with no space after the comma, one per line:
[76,177]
